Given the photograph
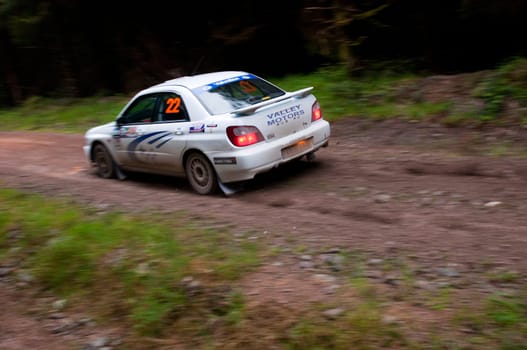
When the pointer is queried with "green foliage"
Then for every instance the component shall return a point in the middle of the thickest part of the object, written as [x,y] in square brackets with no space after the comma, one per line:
[134,264]
[152,312]
[30,228]
[371,95]
[507,83]
[69,115]
[503,276]
[387,93]
[507,311]
[378,95]
[507,315]
[440,299]
[500,324]
[361,328]
[65,264]
[242,256]
[235,312]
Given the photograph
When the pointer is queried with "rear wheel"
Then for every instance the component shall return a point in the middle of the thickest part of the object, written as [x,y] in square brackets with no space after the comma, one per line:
[103,161]
[201,174]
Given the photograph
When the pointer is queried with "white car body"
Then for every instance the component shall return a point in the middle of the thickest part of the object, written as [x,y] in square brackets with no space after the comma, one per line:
[285,123]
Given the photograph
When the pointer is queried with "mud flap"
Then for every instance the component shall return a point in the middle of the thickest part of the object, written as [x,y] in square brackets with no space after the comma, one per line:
[228,190]
[311,157]
[118,172]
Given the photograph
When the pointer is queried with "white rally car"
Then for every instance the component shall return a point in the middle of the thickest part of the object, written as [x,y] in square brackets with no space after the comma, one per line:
[214,128]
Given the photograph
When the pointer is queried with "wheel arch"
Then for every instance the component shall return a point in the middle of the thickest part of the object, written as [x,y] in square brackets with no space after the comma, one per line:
[92,148]
[213,187]
[191,150]
[101,142]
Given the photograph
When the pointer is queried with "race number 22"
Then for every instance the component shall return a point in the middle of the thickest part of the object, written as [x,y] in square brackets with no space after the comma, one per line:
[173,104]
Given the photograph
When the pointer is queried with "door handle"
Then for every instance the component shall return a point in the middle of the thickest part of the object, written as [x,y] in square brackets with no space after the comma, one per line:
[178,132]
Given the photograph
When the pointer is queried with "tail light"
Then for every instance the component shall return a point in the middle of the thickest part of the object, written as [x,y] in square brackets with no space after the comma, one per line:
[244,135]
[316,112]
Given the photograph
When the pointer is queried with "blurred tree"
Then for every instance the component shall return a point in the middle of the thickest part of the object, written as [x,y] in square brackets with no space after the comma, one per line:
[333,27]
[264,38]
[85,47]
[18,28]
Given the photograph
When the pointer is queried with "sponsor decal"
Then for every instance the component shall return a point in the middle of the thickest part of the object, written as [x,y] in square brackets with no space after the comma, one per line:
[162,139]
[197,128]
[128,131]
[285,115]
[141,144]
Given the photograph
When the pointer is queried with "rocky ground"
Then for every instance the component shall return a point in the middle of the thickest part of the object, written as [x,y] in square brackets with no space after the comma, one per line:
[447,203]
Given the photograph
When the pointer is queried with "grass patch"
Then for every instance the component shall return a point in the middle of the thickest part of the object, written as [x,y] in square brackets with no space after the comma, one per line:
[136,265]
[164,277]
[507,83]
[504,277]
[495,97]
[440,299]
[342,96]
[385,94]
[360,325]
[65,115]
[500,323]
[507,310]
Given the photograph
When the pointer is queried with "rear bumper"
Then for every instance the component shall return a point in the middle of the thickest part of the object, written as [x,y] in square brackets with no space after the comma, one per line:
[246,163]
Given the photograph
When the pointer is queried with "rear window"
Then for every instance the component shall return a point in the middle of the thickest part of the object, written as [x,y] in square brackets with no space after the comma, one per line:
[228,95]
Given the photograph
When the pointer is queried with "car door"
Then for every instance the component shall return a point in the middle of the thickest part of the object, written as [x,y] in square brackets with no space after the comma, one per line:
[169,137]
[150,133]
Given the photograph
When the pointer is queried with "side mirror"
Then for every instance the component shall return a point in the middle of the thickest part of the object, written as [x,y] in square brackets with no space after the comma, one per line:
[120,121]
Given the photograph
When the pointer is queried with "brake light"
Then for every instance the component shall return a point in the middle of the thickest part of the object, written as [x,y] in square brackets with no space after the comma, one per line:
[242,136]
[316,112]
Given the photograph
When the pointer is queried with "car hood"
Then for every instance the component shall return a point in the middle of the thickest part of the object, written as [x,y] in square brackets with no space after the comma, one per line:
[101,128]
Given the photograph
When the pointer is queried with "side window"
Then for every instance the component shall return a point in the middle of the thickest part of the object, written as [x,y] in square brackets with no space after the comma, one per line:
[141,111]
[172,108]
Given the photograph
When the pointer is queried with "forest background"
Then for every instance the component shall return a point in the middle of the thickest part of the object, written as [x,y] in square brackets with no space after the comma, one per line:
[79,48]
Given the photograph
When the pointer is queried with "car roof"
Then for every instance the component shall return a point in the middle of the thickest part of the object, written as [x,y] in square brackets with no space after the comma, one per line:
[194,81]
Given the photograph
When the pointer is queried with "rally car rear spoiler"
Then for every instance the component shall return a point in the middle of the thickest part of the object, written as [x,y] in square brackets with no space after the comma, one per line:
[252,109]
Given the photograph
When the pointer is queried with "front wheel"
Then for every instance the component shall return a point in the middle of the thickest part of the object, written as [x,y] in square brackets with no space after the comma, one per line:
[103,161]
[201,174]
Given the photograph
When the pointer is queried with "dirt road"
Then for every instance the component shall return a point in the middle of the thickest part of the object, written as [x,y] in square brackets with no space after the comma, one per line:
[423,190]
[406,185]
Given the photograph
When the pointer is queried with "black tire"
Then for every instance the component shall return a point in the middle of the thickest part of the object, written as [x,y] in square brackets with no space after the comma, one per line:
[103,162]
[201,174]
